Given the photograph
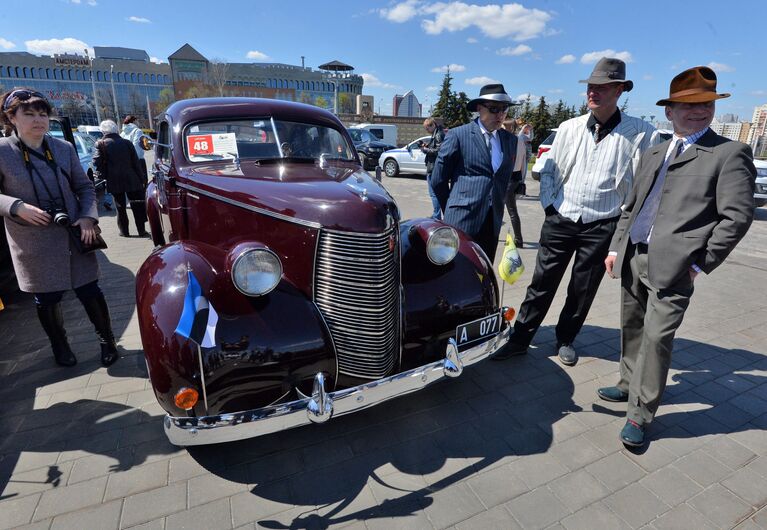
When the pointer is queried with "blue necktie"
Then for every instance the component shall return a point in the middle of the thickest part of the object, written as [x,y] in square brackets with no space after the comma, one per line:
[640,230]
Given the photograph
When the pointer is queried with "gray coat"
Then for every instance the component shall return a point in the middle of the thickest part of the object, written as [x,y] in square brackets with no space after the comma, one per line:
[43,256]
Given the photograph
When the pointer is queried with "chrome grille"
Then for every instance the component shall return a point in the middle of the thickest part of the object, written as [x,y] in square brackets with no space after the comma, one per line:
[357,289]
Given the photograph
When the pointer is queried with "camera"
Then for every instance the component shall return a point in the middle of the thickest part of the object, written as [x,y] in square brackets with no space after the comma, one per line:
[60,217]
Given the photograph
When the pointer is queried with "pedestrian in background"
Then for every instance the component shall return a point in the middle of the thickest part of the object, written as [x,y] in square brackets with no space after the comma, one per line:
[133,134]
[116,161]
[515,184]
[583,186]
[430,149]
[692,202]
[473,169]
[43,190]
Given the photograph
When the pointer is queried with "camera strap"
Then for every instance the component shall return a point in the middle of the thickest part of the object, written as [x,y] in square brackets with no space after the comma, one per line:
[32,170]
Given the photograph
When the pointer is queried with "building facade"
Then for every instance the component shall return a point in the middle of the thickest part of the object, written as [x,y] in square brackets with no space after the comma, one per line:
[124,81]
[406,106]
[731,130]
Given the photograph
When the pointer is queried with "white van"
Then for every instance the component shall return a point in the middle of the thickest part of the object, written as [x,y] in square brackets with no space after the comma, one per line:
[385,132]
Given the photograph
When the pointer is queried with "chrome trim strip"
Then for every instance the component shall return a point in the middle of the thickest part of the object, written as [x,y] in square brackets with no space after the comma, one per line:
[282,217]
[186,431]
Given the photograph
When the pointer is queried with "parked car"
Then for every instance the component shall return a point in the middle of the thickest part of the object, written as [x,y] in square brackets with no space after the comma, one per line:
[383,132]
[85,145]
[543,154]
[326,302]
[408,159]
[369,148]
[760,191]
[91,130]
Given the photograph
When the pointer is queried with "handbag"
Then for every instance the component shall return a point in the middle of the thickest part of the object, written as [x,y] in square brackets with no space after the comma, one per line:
[86,248]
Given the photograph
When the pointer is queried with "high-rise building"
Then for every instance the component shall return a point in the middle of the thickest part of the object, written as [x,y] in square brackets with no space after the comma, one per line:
[758,124]
[731,130]
[406,105]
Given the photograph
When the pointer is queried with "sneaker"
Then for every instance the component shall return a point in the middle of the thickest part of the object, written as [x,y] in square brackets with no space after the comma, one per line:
[566,354]
[632,434]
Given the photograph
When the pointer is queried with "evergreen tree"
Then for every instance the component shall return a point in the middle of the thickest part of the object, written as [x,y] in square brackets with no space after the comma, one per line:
[462,114]
[442,107]
[559,114]
[540,122]
[527,112]
[584,109]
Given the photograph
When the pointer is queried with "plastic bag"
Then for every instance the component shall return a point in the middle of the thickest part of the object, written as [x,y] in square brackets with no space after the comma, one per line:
[511,267]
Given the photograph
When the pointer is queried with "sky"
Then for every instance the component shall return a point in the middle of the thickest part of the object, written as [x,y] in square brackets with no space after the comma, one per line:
[541,48]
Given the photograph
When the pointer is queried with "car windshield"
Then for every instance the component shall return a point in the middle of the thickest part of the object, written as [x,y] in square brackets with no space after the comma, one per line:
[362,135]
[549,139]
[264,139]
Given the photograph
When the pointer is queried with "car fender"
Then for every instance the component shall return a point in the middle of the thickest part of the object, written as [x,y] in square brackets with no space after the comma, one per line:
[266,347]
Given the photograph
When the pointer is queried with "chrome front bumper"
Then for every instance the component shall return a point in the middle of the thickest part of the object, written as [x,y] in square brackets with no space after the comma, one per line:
[322,405]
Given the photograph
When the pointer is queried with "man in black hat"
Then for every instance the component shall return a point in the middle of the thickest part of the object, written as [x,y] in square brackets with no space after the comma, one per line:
[692,202]
[583,185]
[473,168]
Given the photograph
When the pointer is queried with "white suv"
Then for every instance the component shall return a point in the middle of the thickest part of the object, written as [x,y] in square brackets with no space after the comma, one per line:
[760,191]
[543,154]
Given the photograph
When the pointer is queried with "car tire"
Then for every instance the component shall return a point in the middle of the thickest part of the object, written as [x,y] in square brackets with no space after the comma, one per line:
[363,160]
[391,168]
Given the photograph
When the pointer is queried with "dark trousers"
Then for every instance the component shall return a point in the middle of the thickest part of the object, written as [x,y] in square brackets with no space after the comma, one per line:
[560,239]
[649,320]
[487,237]
[84,292]
[138,207]
[511,206]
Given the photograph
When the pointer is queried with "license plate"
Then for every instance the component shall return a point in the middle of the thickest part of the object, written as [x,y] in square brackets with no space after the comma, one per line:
[481,328]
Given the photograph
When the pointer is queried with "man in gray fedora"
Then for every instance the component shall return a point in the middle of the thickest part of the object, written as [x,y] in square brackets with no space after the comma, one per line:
[473,168]
[583,185]
[692,202]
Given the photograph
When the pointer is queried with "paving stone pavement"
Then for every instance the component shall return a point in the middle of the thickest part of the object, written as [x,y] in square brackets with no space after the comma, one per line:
[519,444]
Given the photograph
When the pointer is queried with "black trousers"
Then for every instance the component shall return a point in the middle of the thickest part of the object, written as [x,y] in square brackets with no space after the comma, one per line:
[138,207]
[560,239]
[511,206]
[487,237]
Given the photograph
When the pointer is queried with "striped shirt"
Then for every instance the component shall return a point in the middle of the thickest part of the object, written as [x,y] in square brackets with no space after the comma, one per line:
[590,181]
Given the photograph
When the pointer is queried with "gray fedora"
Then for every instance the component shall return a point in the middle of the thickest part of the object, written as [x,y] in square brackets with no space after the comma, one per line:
[609,70]
[490,94]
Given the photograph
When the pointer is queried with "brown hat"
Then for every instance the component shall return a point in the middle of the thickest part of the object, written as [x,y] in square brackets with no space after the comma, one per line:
[696,85]
[609,70]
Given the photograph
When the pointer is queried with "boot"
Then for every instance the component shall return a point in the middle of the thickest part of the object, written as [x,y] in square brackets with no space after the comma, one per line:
[53,323]
[98,313]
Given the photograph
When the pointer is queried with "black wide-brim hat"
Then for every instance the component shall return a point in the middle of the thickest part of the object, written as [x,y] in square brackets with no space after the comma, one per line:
[490,94]
[609,70]
[696,85]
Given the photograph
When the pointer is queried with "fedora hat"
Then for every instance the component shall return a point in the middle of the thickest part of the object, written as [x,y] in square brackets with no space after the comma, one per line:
[609,70]
[489,94]
[696,85]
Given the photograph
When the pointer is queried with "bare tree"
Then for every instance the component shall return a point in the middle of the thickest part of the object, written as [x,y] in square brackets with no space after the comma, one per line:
[218,70]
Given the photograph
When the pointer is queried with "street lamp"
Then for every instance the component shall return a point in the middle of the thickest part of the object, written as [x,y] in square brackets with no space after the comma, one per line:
[93,88]
[114,96]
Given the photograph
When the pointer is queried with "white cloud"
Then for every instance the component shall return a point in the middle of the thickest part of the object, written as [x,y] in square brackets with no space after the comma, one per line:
[6,44]
[51,46]
[155,60]
[517,50]
[89,2]
[721,67]
[257,55]
[592,57]
[496,21]
[555,91]
[566,59]
[472,40]
[139,20]
[401,12]
[372,81]
[522,97]
[481,80]
[453,68]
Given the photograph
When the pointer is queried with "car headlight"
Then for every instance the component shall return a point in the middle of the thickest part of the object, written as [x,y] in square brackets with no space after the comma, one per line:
[442,245]
[256,272]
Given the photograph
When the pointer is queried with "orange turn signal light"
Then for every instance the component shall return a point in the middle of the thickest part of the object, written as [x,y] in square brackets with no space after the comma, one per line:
[509,314]
[186,398]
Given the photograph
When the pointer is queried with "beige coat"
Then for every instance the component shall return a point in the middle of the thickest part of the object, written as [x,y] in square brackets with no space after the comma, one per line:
[43,257]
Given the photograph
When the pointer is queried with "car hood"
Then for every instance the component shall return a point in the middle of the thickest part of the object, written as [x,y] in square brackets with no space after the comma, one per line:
[339,198]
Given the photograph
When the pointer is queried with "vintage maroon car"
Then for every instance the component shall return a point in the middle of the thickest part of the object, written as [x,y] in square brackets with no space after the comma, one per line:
[327,302]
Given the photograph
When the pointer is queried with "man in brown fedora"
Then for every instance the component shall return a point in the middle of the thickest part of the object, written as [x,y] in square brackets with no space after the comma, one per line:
[692,201]
[583,185]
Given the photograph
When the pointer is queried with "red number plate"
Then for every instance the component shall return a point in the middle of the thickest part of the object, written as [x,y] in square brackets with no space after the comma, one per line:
[200,145]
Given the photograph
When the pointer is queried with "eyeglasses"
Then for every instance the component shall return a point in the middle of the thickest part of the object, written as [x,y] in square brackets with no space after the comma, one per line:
[496,110]
[21,95]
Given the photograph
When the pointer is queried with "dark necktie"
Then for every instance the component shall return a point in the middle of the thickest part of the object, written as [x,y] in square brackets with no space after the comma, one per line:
[640,230]
[597,129]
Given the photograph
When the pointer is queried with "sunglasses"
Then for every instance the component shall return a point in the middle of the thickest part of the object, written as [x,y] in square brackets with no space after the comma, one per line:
[496,110]
[21,95]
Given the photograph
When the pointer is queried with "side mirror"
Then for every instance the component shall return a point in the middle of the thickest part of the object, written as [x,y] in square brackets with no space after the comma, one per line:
[146,143]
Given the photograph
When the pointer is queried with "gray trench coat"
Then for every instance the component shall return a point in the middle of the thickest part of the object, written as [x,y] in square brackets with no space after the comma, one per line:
[43,257]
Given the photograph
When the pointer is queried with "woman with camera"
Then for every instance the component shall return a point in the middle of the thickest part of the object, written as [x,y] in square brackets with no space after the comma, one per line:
[49,205]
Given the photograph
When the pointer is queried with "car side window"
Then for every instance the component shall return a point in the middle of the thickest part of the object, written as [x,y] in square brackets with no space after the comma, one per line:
[163,137]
